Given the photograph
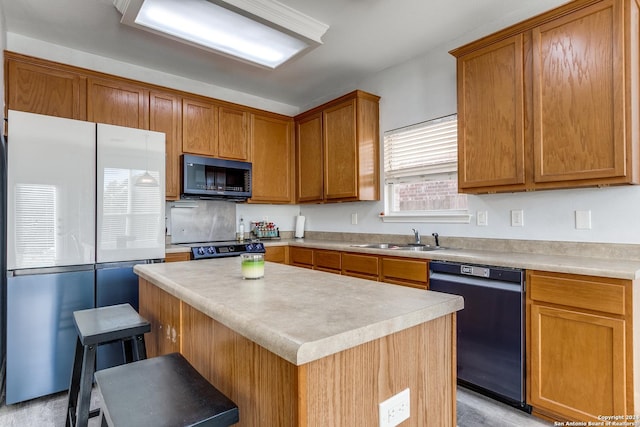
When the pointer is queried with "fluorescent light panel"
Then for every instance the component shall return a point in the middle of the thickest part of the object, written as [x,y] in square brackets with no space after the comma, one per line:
[211,26]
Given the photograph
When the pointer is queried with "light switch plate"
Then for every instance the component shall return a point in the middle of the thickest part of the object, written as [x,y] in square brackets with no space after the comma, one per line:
[517,218]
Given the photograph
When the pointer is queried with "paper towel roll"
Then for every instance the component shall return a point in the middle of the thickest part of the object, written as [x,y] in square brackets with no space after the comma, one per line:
[299,227]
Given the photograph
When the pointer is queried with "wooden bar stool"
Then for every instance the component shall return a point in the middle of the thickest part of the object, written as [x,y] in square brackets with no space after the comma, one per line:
[98,326]
[164,391]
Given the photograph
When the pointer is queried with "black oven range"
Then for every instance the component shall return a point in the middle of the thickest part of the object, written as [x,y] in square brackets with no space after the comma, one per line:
[206,250]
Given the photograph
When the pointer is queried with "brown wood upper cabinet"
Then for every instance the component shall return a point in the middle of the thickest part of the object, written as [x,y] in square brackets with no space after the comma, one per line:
[214,130]
[337,150]
[165,115]
[272,158]
[552,102]
[117,103]
[199,127]
[233,133]
[41,89]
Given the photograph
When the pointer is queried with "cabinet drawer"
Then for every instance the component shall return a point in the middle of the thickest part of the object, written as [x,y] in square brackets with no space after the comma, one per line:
[177,256]
[276,254]
[301,257]
[327,260]
[586,292]
[405,271]
[360,265]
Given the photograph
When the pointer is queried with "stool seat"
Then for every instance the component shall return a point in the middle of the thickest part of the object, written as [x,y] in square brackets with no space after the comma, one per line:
[97,326]
[105,324]
[162,391]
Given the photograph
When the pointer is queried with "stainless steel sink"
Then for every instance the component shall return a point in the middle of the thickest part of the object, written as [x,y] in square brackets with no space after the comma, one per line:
[399,246]
[415,247]
[378,246]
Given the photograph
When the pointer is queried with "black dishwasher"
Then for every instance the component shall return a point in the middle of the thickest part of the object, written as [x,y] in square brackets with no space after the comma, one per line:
[490,328]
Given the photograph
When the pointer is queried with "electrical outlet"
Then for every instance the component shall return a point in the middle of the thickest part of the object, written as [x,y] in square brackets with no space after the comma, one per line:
[517,218]
[395,409]
[583,220]
[482,218]
[354,218]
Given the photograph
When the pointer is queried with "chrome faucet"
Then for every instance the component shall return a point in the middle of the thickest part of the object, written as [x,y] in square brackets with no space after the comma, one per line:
[416,234]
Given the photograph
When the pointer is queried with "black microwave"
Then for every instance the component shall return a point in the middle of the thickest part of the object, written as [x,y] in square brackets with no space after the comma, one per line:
[211,178]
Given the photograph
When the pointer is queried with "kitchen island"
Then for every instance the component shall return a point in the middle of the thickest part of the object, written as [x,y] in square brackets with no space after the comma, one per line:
[305,348]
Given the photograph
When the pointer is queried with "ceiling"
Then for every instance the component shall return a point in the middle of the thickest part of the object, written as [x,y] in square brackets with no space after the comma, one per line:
[364,37]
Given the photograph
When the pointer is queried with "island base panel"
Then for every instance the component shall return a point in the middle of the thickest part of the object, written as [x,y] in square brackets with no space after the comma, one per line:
[342,390]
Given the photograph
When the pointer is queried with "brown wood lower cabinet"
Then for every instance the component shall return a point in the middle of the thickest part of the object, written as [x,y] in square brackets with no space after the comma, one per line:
[580,346]
[397,270]
[278,254]
[358,265]
[301,257]
[329,261]
[177,256]
[342,389]
[406,272]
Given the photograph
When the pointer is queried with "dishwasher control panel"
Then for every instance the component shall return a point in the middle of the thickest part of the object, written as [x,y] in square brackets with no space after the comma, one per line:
[474,270]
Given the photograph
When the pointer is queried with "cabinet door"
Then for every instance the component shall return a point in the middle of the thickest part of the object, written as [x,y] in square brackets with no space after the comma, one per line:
[406,272]
[578,92]
[43,90]
[491,136]
[340,152]
[199,128]
[233,133]
[166,116]
[309,155]
[577,363]
[117,103]
[162,310]
[272,157]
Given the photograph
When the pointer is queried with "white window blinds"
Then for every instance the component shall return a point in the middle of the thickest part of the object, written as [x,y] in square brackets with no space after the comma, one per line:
[422,150]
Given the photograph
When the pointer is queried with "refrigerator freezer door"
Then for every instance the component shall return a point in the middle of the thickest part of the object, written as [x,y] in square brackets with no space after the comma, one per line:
[115,284]
[41,334]
[130,194]
[51,191]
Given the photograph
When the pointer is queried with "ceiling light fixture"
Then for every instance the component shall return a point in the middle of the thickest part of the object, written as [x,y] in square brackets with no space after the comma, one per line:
[263,32]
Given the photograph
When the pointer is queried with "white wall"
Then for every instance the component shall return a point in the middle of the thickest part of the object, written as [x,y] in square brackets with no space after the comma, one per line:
[412,92]
[425,88]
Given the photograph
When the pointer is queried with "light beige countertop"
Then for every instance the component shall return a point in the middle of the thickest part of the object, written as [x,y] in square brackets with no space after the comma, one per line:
[299,314]
[605,260]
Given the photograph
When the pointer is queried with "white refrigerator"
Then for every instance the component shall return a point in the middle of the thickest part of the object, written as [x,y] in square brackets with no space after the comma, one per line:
[84,202]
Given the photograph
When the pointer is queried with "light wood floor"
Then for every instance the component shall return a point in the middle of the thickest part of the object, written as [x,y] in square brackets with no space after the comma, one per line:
[474,410]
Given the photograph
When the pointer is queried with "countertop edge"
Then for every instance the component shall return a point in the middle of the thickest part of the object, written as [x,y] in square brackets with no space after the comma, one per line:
[295,352]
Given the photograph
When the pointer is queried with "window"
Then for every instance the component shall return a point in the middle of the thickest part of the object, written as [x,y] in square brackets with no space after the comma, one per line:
[420,173]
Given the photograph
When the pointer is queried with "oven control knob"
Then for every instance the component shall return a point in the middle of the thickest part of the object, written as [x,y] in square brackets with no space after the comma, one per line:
[200,251]
[211,250]
[250,247]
